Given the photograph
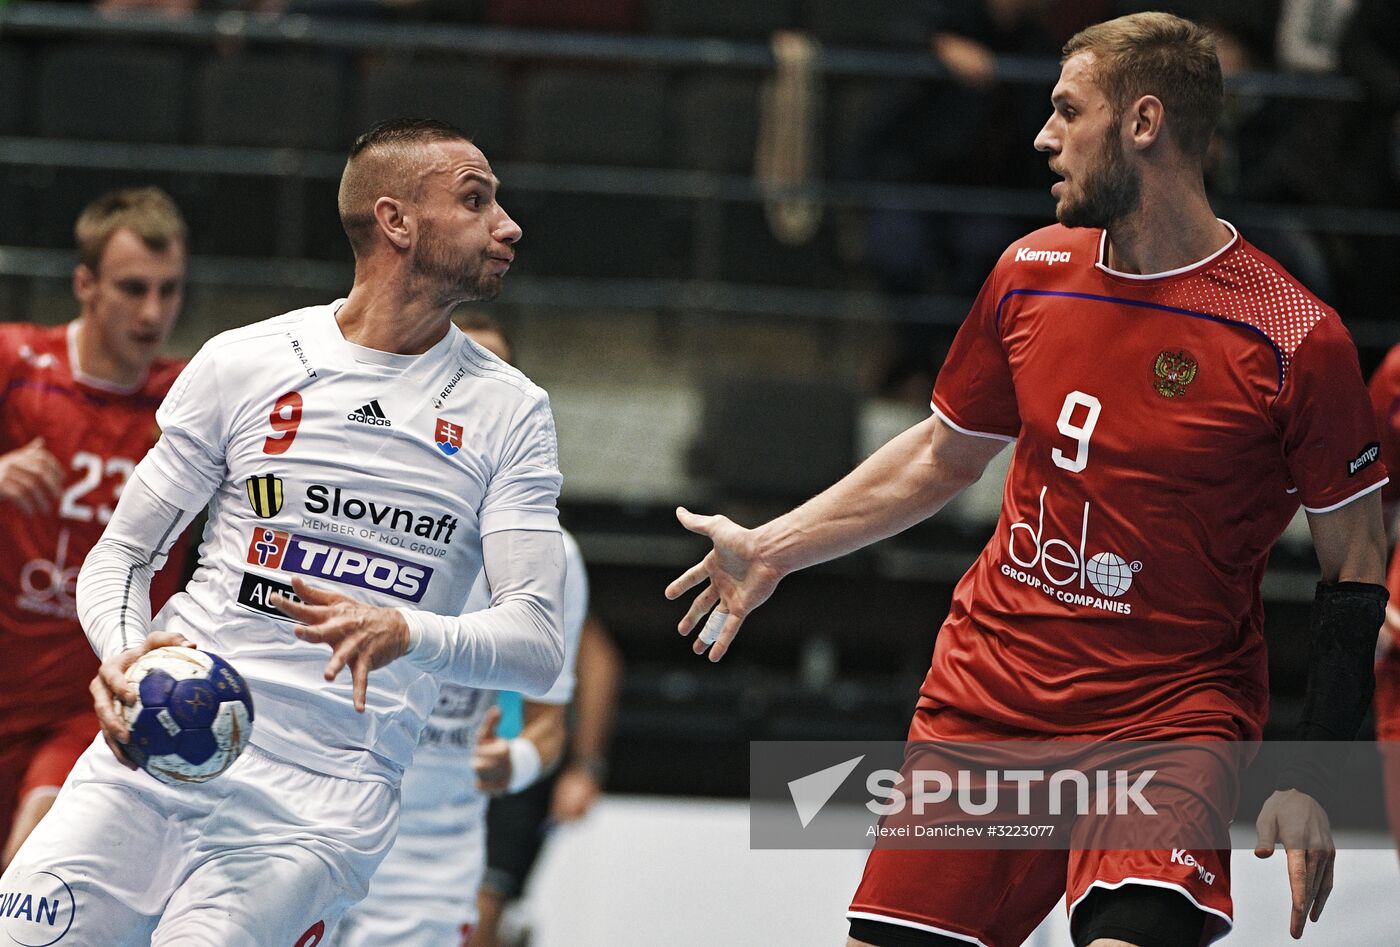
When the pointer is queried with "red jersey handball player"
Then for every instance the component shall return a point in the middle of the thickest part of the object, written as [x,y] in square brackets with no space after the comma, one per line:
[1173,396]
[77,412]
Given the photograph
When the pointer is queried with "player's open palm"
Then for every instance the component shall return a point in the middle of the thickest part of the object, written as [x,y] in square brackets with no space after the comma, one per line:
[362,637]
[1300,823]
[738,581]
[110,689]
[31,478]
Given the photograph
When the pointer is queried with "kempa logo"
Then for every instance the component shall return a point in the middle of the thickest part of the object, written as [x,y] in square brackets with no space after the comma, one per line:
[1364,459]
[1181,857]
[370,414]
[1048,257]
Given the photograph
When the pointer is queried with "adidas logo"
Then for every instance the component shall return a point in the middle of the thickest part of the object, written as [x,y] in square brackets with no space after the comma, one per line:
[370,414]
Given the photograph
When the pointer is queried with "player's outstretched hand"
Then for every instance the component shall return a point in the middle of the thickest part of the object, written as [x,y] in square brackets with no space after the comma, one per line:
[363,637]
[1295,819]
[491,758]
[31,478]
[110,689]
[739,580]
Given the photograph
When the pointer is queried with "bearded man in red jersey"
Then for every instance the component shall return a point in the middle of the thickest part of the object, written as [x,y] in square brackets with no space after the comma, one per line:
[1173,396]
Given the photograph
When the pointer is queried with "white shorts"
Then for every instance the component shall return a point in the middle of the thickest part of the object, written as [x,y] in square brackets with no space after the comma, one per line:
[267,855]
[425,889]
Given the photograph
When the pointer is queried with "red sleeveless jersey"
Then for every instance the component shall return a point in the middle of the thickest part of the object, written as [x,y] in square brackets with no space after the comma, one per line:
[97,433]
[1166,430]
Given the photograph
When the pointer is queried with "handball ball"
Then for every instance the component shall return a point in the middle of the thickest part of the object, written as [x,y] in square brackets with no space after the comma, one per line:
[194,716]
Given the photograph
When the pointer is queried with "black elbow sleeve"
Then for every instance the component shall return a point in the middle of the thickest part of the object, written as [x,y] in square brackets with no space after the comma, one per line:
[1346,617]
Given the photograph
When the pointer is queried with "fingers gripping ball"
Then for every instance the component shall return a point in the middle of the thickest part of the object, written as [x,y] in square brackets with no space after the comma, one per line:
[193,718]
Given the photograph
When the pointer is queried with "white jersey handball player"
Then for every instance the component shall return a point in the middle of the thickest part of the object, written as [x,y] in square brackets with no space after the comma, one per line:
[424,893]
[361,462]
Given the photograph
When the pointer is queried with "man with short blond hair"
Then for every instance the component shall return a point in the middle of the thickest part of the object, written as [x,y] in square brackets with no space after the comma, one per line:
[76,415]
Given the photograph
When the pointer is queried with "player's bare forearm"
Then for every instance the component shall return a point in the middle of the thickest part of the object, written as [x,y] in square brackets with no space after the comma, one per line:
[906,481]
[595,697]
[546,728]
[1350,541]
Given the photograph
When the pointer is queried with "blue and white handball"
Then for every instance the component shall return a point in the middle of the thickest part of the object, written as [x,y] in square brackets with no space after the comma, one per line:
[194,716]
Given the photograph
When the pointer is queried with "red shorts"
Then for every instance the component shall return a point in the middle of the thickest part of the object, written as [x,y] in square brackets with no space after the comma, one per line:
[997,897]
[40,759]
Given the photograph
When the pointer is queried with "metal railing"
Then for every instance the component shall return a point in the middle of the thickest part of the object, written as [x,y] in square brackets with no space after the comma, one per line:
[293,168]
[40,19]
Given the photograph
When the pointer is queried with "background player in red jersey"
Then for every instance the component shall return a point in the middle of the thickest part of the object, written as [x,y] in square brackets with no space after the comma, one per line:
[76,414]
[1173,395]
[1385,399]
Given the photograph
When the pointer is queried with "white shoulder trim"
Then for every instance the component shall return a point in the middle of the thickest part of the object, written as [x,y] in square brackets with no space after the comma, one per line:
[901,922]
[274,326]
[962,430]
[483,364]
[1355,496]
[1103,255]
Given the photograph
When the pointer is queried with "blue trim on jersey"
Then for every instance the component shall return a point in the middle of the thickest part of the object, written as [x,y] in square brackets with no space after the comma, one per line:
[1278,355]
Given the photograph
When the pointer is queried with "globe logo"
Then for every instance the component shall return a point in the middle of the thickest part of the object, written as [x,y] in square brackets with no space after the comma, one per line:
[1109,573]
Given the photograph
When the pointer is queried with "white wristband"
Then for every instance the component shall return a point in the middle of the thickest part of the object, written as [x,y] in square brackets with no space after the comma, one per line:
[524,764]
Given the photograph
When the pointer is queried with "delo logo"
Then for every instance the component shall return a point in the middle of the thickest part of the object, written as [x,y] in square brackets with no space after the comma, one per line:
[1060,563]
[1048,257]
[348,565]
[38,910]
[1181,857]
[49,586]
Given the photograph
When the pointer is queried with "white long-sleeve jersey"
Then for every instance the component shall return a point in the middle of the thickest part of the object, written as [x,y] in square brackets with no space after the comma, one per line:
[377,475]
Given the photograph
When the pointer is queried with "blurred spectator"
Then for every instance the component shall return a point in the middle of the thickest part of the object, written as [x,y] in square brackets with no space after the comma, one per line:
[1370,174]
[1264,150]
[971,130]
[1310,32]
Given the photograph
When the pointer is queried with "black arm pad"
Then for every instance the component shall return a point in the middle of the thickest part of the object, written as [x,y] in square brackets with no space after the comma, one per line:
[1346,618]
